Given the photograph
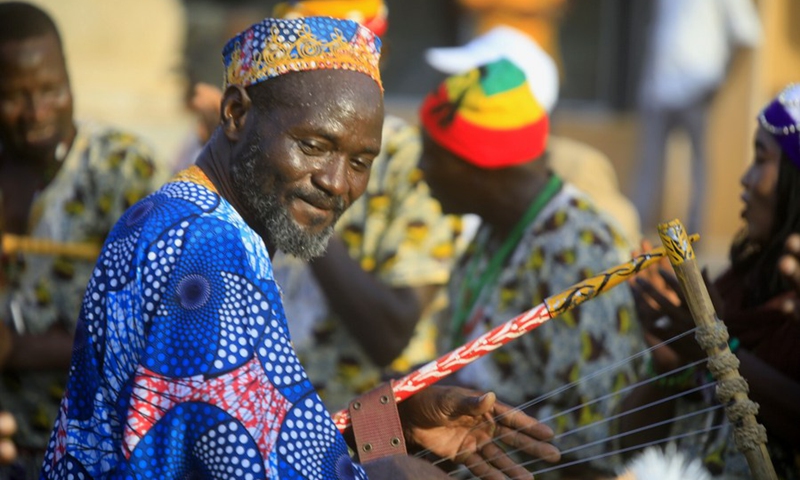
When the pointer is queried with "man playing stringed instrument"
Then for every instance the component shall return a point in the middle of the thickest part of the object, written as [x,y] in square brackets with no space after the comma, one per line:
[183,363]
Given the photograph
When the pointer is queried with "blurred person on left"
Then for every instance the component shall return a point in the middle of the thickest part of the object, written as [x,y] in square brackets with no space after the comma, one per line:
[60,180]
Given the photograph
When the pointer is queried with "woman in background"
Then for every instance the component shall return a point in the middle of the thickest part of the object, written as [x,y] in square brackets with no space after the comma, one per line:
[756,297]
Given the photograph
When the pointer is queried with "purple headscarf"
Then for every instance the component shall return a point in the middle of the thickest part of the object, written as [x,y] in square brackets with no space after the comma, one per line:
[781,118]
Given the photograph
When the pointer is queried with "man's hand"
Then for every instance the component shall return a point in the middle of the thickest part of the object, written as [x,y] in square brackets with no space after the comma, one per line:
[663,313]
[789,266]
[8,451]
[472,429]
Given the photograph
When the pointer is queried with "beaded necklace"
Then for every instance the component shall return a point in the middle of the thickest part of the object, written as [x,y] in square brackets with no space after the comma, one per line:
[475,282]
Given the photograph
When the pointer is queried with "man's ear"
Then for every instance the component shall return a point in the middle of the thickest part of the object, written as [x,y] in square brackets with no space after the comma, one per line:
[235,107]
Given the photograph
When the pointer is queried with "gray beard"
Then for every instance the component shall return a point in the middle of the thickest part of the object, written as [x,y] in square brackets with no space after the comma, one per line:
[271,215]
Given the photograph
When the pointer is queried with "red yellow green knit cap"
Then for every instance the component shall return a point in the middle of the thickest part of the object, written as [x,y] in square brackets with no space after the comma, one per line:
[373,14]
[488,116]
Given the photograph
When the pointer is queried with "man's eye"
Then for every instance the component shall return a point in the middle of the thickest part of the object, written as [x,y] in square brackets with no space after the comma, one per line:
[361,164]
[311,148]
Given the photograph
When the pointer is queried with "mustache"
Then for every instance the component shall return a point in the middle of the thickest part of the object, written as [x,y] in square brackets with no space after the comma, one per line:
[320,199]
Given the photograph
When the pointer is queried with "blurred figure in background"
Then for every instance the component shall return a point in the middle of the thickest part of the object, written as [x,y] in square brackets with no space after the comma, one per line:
[485,134]
[203,102]
[63,181]
[580,164]
[690,49]
[756,297]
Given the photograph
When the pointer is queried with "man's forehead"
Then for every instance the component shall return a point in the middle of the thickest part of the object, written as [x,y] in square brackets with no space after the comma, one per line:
[31,52]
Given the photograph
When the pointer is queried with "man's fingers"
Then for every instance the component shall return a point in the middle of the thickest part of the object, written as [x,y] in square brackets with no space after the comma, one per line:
[672,281]
[645,306]
[481,468]
[507,467]
[790,268]
[525,443]
[793,244]
[517,420]
[666,305]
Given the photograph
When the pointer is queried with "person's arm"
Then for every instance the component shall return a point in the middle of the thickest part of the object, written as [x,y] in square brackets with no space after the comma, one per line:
[381,318]
[778,395]
[47,351]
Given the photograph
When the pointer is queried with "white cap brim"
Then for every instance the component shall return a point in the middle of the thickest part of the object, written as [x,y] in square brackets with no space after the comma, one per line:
[503,42]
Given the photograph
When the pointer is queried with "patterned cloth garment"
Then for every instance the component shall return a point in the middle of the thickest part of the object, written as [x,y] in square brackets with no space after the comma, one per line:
[105,172]
[183,366]
[395,231]
[568,241]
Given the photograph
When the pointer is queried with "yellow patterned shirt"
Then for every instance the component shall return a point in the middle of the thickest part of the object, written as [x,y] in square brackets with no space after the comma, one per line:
[397,232]
[567,242]
[104,173]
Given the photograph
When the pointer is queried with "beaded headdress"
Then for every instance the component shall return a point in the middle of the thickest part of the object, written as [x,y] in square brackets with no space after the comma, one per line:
[373,14]
[274,47]
[781,118]
[488,116]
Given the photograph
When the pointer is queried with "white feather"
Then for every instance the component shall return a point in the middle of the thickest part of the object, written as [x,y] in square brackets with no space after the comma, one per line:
[667,464]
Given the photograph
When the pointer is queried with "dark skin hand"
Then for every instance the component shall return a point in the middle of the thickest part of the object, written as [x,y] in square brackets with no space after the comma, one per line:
[657,294]
[51,350]
[789,265]
[8,427]
[381,318]
[777,394]
[474,430]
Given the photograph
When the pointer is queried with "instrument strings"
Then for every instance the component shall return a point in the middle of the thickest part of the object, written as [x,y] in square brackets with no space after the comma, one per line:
[615,416]
[608,369]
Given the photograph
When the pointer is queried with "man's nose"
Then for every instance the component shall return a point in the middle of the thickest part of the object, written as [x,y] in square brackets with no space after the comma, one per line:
[332,175]
[38,107]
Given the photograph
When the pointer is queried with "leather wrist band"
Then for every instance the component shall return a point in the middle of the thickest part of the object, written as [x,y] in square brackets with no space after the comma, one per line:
[376,424]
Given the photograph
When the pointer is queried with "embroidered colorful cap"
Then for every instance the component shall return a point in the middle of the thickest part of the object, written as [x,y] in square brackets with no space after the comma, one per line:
[488,116]
[275,46]
[373,14]
[781,118]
